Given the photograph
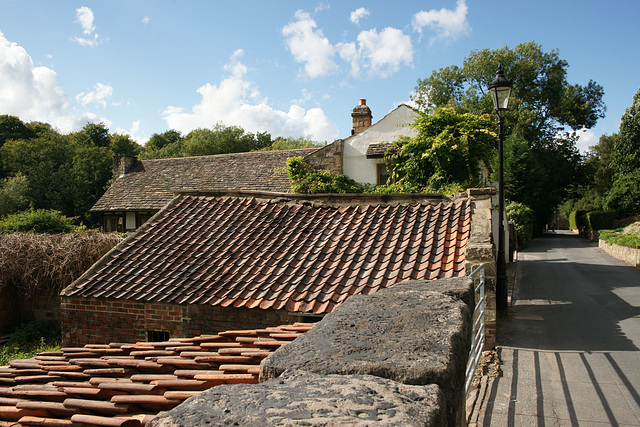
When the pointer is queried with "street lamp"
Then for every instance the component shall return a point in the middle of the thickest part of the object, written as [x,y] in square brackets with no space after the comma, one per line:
[500,90]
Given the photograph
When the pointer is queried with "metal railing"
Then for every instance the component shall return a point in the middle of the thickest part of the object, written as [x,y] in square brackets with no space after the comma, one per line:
[477,342]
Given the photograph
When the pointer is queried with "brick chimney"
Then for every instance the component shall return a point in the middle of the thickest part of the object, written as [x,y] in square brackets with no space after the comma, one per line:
[361,116]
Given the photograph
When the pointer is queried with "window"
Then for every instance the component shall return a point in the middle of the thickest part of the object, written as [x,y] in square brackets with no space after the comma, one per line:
[384,174]
[157,336]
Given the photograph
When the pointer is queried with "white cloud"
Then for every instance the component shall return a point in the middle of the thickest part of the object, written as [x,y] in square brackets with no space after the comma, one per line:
[235,101]
[146,20]
[309,46]
[447,24]
[98,95]
[84,17]
[586,139]
[358,14]
[33,93]
[133,132]
[380,54]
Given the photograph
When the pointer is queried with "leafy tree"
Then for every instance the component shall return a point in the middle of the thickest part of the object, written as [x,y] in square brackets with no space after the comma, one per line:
[160,140]
[446,153]
[624,196]
[11,127]
[93,134]
[91,170]
[281,143]
[523,218]
[543,104]
[626,147]
[124,145]
[13,194]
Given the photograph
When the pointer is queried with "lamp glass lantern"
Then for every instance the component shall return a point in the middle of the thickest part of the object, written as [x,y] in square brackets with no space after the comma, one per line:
[500,90]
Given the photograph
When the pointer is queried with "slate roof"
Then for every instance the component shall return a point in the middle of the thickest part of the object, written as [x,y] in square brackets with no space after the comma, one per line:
[378,150]
[151,184]
[122,384]
[270,254]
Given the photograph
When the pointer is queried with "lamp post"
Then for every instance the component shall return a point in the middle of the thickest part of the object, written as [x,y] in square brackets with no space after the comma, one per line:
[500,90]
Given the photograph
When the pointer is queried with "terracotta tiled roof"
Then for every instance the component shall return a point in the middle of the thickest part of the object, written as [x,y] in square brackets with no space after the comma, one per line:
[378,149]
[150,184]
[128,384]
[245,252]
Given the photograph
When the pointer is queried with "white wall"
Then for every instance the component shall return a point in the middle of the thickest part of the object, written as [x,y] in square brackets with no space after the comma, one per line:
[394,125]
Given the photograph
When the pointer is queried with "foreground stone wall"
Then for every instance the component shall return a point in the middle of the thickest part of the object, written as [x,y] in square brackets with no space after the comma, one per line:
[628,255]
[395,357]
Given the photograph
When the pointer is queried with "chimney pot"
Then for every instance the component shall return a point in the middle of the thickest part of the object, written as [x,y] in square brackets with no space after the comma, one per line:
[363,102]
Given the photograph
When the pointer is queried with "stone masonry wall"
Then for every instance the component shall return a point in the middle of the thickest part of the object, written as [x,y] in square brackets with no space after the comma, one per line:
[628,255]
[481,251]
[101,320]
[327,158]
[396,357]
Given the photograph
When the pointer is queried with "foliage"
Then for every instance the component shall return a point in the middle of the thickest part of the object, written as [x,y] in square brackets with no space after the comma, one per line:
[30,338]
[201,142]
[543,102]
[577,220]
[623,237]
[523,218]
[281,143]
[446,153]
[626,153]
[599,220]
[123,145]
[307,180]
[542,162]
[38,221]
[37,266]
[13,194]
[624,196]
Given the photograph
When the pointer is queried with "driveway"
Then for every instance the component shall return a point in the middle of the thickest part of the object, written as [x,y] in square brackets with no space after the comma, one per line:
[570,345]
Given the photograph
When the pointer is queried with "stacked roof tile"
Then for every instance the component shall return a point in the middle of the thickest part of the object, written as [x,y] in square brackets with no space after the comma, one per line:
[244,252]
[150,184]
[129,384]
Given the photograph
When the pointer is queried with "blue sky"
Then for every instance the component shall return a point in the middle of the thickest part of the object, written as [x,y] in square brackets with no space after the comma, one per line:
[291,68]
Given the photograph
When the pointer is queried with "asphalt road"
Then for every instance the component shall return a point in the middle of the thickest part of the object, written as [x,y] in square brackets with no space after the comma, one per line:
[570,345]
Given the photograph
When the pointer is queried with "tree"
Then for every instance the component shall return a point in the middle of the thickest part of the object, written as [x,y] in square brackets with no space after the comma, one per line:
[626,147]
[93,134]
[161,140]
[281,143]
[543,105]
[13,194]
[447,152]
[11,127]
[124,145]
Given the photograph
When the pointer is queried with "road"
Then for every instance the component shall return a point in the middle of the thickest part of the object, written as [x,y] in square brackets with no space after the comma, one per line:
[570,345]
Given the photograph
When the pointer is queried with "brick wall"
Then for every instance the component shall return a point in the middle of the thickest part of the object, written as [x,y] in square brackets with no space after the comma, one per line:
[101,320]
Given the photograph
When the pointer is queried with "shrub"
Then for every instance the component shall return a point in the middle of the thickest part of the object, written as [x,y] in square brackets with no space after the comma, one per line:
[620,238]
[31,338]
[37,266]
[307,180]
[577,220]
[39,221]
[624,196]
[598,220]
[522,217]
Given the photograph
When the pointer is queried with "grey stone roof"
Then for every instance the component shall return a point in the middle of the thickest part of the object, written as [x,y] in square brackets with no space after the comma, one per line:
[151,184]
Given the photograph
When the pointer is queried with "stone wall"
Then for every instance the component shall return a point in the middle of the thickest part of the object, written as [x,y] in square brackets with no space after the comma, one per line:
[481,251]
[327,158]
[623,253]
[102,320]
[396,357]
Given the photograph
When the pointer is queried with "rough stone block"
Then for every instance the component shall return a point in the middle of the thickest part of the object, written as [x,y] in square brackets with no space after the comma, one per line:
[303,398]
[408,333]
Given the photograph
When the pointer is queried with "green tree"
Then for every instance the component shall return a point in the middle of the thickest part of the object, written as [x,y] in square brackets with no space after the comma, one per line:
[281,143]
[93,134]
[124,145]
[14,194]
[626,149]
[11,127]
[624,196]
[160,140]
[447,152]
[543,104]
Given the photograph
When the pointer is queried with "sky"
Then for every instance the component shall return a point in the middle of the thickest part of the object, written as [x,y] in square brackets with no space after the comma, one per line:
[290,68]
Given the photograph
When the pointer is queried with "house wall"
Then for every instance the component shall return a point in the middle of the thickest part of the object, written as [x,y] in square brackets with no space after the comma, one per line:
[355,163]
[327,158]
[103,320]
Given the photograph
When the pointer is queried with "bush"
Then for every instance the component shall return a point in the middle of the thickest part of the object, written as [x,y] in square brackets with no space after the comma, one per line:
[35,266]
[577,220]
[39,221]
[600,220]
[522,217]
[304,179]
[620,238]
